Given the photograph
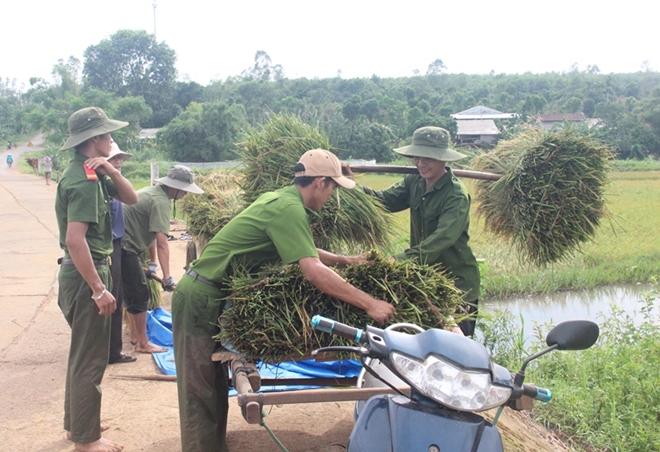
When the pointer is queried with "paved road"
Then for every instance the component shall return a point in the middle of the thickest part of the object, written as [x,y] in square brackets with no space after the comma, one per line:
[29,248]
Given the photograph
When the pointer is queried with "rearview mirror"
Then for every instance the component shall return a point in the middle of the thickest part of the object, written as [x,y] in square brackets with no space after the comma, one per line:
[573,335]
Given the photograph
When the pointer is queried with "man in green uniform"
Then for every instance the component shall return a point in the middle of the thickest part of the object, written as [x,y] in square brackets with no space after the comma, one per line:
[439,213]
[83,218]
[147,225]
[275,228]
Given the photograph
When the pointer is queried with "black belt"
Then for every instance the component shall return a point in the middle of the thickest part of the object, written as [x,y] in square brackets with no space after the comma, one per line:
[68,261]
[193,274]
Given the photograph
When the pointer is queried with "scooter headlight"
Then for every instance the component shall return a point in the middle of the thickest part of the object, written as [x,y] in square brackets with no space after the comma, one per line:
[450,385]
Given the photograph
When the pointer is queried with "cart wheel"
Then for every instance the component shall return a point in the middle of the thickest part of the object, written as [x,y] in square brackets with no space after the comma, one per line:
[191,253]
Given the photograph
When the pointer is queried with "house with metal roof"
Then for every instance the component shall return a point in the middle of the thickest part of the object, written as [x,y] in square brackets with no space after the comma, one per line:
[556,120]
[477,132]
[476,126]
[481,112]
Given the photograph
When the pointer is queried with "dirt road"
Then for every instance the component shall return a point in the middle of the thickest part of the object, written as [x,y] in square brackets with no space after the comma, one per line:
[34,340]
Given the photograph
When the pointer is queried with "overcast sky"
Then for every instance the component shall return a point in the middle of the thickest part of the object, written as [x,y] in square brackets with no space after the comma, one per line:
[214,39]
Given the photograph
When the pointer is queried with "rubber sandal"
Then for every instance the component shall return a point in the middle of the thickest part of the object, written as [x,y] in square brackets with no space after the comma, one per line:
[124,359]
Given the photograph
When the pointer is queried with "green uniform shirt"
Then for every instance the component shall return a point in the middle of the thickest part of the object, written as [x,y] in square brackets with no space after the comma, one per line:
[439,223]
[79,199]
[151,214]
[274,228]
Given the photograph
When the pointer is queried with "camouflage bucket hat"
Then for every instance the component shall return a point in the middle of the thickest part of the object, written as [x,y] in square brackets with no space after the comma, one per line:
[87,123]
[432,143]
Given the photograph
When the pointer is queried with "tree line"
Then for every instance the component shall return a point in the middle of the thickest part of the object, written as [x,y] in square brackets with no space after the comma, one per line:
[134,78]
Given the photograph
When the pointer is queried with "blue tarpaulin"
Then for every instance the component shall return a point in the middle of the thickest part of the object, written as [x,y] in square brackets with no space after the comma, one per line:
[159,330]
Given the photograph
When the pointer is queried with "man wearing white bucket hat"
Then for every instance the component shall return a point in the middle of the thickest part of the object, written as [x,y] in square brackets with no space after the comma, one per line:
[147,229]
[117,158]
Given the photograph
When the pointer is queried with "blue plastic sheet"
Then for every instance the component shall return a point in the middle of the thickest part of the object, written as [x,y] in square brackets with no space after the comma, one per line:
[159,330]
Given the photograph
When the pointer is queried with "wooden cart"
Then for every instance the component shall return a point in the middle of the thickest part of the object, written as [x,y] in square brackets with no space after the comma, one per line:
[247,381]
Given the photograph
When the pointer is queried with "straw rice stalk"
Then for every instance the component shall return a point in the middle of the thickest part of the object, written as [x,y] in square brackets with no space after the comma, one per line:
[550,198]
[270,314]
[155,295]
[221,201]
[350,221]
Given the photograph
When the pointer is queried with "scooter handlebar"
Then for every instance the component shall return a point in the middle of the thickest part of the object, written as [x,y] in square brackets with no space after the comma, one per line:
[339,329]
[537,393]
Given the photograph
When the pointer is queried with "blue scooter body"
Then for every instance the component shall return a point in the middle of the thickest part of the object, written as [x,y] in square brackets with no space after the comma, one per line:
[393,423]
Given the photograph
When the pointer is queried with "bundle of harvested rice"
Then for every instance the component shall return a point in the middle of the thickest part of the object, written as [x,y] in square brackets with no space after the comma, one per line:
[221,201]
[270,153]
[549,200]
[350,221]
[270,314]
[155,288]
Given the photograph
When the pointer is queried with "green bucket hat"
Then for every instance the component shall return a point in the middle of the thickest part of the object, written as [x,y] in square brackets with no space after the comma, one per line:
[87,123]
[432,143]
[182,178]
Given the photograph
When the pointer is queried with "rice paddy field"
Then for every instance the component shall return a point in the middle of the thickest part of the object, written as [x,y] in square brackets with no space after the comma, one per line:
[626,247]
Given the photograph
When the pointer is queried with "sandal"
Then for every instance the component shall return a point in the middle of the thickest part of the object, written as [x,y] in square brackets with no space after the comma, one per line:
[124,359]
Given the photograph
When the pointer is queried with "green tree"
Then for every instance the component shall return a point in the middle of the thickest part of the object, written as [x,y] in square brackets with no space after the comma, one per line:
[436,68]
[187,92]
[351,108]
[133,63]
[263,69]
[203,133]
[67,75]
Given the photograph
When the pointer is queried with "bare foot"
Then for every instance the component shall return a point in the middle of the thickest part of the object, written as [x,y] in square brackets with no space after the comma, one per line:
[148,347]
[102,445]
[104,426]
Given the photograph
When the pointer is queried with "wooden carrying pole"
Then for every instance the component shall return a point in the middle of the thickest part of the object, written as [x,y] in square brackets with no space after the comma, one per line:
[412,170]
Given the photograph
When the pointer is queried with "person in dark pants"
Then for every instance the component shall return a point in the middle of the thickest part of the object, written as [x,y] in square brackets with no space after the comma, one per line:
[274,228]
[117,158]
[85,232]
[439,214]
[147,228]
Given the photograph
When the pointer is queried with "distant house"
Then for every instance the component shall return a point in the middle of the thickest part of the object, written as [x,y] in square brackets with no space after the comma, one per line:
[481,112]
[477,132]
[556,120]
[476,126]
[148,133]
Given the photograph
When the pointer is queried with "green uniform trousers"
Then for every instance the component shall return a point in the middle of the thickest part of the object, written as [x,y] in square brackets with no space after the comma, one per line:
[201,383]
[88,353]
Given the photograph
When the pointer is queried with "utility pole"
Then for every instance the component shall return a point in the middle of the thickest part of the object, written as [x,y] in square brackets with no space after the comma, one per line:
[154,5]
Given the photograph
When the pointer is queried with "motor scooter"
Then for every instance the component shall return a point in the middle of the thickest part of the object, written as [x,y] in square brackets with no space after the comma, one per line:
[440,381]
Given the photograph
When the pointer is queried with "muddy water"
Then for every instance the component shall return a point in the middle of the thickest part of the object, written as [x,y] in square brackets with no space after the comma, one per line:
[557,307]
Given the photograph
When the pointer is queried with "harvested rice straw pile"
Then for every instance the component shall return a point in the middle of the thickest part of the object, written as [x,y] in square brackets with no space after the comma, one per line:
[221,201]
[550,198]
[155,288]
[349,222]
[270,314]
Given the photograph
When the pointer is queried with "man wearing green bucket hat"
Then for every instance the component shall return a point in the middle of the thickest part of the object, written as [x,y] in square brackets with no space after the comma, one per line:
[439,213]
[83,218]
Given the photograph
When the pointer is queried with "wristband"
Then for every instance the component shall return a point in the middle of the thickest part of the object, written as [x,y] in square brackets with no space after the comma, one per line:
[99,296]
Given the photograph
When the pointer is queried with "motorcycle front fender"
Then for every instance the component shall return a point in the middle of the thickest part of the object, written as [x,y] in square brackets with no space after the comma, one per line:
[393,423]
